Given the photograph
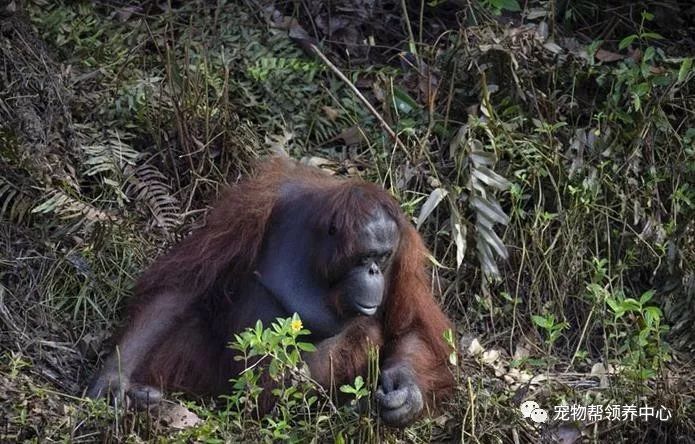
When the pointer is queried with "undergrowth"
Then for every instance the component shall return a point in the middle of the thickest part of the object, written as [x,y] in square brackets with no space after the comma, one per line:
[551,173]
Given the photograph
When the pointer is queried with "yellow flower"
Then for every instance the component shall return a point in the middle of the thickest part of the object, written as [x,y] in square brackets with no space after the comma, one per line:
[296,325]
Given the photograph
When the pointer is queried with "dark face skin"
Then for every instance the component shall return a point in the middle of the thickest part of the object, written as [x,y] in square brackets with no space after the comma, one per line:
[292,263]
[363,284]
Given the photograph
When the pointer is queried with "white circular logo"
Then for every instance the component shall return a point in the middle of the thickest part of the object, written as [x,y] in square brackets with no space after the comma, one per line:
[539,415]
[527,407]
[531,409]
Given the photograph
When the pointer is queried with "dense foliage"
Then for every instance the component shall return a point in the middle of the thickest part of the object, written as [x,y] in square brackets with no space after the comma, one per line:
[546,151]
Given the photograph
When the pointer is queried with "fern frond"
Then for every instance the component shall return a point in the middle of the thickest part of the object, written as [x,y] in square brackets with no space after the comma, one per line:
[15,203]
[109,158]
[71,208]
[147,185]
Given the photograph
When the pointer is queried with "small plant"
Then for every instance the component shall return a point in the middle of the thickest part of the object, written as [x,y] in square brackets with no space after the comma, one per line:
[638,81]
[358,389]
[552,328]
[15,362]
[635,327]
[639,327]
[642,34]
[276,350]
[302,407]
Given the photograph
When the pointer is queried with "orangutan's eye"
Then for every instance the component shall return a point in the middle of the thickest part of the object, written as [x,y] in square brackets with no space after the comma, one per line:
[384,258]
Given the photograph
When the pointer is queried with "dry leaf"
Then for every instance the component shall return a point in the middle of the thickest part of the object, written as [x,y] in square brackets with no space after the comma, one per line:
[435,197]
[490,356]
[552,47]
[331,113]
[177,416]
[606,56]
[351,136]
[521,352]
[475,348]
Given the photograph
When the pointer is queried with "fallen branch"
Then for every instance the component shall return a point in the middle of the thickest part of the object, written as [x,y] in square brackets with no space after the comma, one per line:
[359,95]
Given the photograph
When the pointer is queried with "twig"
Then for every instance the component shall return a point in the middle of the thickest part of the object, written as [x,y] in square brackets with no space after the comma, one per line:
[360,96]
[307,43]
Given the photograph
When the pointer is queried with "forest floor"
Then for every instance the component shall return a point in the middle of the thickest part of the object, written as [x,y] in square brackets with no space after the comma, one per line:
[544,149]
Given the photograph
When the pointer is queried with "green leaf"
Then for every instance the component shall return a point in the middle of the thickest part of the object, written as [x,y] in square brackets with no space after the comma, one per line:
[641,89]
[652,35]
[613,304]
[652,315]
[646,297]
[449,338]
[273,368]
[630,304]
[347,389]
[543,321]
[649,54]
[685,69]
[596,290]
[636,102]
[646,373]
[627,41]
[306,346]
[403,102]
[509,5]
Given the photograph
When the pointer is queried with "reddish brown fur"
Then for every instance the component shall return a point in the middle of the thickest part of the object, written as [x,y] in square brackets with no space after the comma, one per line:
[225,251]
